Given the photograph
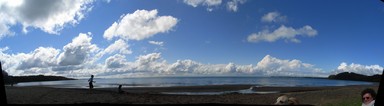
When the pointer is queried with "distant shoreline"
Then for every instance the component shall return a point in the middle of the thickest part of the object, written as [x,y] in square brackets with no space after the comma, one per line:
[9,80]
[136,83]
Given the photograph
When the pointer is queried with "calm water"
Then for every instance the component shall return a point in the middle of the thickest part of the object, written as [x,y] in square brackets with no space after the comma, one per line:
[194,81]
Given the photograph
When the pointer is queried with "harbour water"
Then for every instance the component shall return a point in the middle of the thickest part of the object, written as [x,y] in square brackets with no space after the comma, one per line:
[196,81]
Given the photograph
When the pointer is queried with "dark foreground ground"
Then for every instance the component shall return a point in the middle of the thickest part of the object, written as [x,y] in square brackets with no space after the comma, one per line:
[319,96]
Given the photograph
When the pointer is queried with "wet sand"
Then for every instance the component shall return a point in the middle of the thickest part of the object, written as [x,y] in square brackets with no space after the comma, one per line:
[152,95]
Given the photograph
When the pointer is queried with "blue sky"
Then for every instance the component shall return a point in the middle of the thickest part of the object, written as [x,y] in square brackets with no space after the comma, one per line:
[129,38]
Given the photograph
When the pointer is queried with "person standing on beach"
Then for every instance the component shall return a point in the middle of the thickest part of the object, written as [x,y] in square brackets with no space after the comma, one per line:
[369,96]
[90,81]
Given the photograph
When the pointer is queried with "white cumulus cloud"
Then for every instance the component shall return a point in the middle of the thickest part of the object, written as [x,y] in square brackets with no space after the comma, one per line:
[273,17]
[120,45]
[156,43]
[50,16]
[272,66]
[359,69]
[116,61]
[195,3]
[4,28]
[283,32]
[40,57]
[78,51]
[233,5]
[183,66]
[51,61]
[40,60]
[146,60]
[140,25]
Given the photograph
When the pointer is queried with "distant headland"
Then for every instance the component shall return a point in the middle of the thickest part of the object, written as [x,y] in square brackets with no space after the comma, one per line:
[32,78]
[355,77]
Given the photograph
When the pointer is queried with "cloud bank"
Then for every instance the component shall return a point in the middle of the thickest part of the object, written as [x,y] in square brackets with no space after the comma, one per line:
[368,70]
[76,59]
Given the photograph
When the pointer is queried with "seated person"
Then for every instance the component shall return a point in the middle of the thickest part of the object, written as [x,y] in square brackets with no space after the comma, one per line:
[120,90]
[368,97]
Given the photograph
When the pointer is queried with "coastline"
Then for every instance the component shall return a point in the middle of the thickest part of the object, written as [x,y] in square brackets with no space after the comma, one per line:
[152,95]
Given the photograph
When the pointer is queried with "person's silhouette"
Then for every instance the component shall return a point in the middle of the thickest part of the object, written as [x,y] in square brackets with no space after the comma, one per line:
[4,98]
[90,82]
[120,90]
[380,93]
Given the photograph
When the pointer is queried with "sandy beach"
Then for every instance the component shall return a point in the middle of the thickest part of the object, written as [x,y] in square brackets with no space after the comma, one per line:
[319,96]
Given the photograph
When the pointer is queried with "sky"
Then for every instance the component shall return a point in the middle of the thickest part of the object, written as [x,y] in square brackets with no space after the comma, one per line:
[139,38]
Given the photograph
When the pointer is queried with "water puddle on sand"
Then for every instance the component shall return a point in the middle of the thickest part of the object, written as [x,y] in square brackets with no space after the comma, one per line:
[245,91]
